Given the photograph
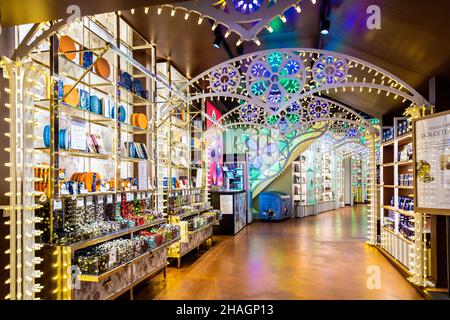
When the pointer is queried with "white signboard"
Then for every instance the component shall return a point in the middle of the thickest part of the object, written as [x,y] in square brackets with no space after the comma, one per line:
[432,158]
[226,204]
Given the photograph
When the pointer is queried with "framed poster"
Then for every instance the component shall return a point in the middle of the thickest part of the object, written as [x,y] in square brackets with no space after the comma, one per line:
[431,147]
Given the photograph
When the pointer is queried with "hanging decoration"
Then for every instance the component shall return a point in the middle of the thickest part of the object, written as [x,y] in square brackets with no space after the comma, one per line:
[225,79]
[275,77]
[330,69]
[246,18]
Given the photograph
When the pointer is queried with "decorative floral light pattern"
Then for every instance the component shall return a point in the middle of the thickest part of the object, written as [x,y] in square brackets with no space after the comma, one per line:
[317,109]
[275,77]
[328,70]
[247,6]
[225,79]
[249,113]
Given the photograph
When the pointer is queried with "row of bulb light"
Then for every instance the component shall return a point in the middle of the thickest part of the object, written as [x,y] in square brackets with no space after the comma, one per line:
[201,17]
[28,235]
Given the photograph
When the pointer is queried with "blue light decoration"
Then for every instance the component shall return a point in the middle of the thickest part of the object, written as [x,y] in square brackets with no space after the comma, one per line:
[247,6]
[249,113]
[330,70]
[352,132]
[318,109]
[276,77]
[294,107]
[225,79]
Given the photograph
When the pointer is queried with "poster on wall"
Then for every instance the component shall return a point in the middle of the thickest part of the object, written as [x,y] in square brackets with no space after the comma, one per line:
[432,159]
[215,154]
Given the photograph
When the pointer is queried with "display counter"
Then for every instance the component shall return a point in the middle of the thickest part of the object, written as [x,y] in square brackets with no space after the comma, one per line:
[234,211]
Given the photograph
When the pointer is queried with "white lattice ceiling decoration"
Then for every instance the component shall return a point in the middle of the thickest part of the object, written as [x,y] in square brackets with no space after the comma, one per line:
[246,18]
[283,87]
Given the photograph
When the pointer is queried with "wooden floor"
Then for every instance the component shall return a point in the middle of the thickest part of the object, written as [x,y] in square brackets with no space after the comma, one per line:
[319,257]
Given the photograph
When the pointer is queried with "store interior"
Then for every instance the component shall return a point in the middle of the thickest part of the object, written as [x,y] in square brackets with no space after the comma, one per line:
[224,150]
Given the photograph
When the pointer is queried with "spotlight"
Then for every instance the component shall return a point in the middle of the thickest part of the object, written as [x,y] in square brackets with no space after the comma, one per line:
[283,18]
[325,27]
[217,41]
[159,10]
[227,34]
[269,28]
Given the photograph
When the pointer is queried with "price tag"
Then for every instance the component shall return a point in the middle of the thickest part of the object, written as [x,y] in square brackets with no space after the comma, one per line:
[109,198]
[89,201]
[100,199]
[129,197]
[119,197]
[80,202]
[57,205]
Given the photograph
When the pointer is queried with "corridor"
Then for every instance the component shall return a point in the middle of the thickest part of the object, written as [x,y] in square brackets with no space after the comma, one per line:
[319,257]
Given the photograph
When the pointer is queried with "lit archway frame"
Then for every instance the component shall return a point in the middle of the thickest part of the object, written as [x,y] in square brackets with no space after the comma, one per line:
[274,79]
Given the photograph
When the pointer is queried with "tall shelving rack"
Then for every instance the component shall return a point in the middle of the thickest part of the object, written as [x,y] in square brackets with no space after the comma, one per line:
[127,177]
[405,234]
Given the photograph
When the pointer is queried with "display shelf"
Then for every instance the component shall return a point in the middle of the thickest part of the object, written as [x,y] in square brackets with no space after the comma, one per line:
[79,153]
[107,274]
[77,113]
[393,195]
[111,236]
[128,159]
[90,194]
[204,226]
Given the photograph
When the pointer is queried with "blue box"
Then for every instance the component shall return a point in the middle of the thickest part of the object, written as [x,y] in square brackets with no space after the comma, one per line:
[274,206]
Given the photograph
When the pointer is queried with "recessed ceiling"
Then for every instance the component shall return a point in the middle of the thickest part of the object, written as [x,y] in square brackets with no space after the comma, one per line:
[411,44]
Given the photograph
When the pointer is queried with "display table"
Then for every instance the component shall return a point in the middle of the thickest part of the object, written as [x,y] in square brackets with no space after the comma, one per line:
[233,205]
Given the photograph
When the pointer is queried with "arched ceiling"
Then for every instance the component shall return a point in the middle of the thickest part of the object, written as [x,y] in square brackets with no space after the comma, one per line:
[412,43]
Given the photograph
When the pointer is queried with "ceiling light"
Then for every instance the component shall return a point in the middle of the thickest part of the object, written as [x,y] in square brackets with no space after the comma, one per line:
[238,43]
[200,20]
[270,29]
[132,11]
[298,8]
[172,13]
[313,1]
[214,26]
[159,10]
[227,34]
[217,41]
[146,10]
[186,15]
[283,18]
[325,27]
[256,40]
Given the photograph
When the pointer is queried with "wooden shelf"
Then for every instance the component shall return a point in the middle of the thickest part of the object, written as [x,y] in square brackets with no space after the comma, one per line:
[405,163]
[389,164]
[404,212]
[405,187]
